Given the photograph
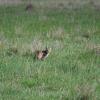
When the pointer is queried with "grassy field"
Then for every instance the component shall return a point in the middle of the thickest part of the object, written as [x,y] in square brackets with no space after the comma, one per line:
[72,70]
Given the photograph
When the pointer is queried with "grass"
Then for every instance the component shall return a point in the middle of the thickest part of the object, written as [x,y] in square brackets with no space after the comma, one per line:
[72,70]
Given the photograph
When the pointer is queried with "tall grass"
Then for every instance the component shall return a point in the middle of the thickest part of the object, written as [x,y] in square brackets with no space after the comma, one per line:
[71,71]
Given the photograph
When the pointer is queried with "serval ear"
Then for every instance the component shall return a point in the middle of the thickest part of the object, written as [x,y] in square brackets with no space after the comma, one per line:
[46,48]
[49,50]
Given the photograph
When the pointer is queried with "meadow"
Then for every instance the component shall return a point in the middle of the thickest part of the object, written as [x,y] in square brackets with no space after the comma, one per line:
[71,71]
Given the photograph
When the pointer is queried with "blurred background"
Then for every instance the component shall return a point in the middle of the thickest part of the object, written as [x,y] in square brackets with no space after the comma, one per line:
[68,3]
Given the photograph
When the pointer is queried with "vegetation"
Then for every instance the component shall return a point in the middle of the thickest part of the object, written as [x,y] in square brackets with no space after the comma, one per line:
[71,71]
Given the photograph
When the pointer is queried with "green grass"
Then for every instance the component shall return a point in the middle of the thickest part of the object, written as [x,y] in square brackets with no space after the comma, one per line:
[72,70]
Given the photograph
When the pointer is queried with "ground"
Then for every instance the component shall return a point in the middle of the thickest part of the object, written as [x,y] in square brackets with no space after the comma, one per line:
[71,71]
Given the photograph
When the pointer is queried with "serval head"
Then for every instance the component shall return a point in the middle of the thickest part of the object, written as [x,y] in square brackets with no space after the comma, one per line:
[42,54]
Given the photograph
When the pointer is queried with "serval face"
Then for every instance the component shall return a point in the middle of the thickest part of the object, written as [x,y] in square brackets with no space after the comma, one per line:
[43,54]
